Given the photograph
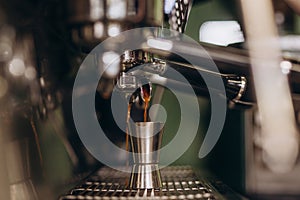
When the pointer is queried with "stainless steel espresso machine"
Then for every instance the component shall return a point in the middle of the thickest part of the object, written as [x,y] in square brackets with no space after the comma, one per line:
[140,99]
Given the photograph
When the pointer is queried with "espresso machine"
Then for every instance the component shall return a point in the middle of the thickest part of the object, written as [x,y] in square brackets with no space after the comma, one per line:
[133,99]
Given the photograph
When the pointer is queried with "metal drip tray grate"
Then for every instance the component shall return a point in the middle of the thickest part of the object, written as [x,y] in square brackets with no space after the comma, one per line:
[178,183]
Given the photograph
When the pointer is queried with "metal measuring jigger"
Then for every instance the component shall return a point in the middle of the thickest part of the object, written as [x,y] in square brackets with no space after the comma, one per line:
[145,138]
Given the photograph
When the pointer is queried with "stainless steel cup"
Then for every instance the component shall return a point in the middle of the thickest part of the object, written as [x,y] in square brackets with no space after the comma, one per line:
[145,138]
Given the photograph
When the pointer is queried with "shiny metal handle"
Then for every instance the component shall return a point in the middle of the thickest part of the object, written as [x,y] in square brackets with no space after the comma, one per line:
[141,63]
[235,85]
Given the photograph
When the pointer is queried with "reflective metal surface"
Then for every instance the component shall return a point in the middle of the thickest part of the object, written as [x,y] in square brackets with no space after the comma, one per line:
[146,139]
[149,61]
[180,182]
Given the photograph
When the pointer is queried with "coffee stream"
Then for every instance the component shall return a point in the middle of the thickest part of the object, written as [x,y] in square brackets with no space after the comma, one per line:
[127,128]
[146,97]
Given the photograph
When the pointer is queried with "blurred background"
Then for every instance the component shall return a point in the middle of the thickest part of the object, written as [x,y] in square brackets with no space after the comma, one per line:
[254,44]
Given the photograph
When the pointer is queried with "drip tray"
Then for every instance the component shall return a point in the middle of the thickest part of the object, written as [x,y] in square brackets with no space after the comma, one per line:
[178,183]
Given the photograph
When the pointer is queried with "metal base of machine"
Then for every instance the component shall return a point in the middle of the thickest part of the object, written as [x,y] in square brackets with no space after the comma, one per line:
[178,182]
